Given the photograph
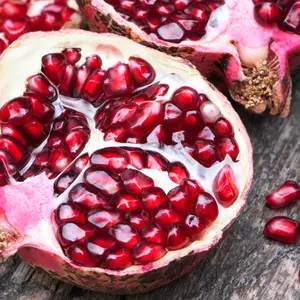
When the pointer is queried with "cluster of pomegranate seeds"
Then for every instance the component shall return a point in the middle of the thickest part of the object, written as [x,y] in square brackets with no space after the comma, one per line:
[169,20]
[117,216]
[285,13]
[15,20]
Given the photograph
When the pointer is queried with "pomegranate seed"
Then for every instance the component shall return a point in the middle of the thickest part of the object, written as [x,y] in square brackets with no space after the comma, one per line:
[154,233]
[2,46]
[177,237]
[63,182]
[137,157]
[141,71]
[286,194]
[13,10]
[16,111]
[170,32]
[55,141]
[153,198]
[227,146]
[80,194]
[158,135]
[193,188]
[283,229]
[66,81]
[222,128]
[206,134]
[116,133]
[79,79]
[74,124]
[99,247]
[71,233]
[14,149]
[210,113]
[118,259]
[76,141]
[9,164]
[206,208]
[105,219]
[156,161]
[268,12]
[136,181]
[192,121]
[224,187]
[138,219]
[52,21]
[11,131]
[65,213]
[125,235]
[80,163]
[186,98]
[177,172]
[291,21]
[166,216]
[42,159]
[93,62]
[92,88]
[103,180]
[80,255]
[127,4]
[112,158]
[194,226]
[40,86]
[156,90]
[41,109]
[165,9]
[174,117]
[56,7]
[147,252]
[198,11]
[205,152]
[126,201]
[180,199]
[36,131]
[59,159]
[13,29]
[53,66]
[148,115]
[72,55]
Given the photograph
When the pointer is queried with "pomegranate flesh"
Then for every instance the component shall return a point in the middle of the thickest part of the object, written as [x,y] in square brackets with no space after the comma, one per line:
[95,187]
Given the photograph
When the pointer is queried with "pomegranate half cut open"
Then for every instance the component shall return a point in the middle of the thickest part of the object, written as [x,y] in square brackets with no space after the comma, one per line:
[121,167]
[249,46]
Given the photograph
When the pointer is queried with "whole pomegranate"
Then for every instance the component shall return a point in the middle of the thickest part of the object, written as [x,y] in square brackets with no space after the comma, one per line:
[250,46]
[120,166]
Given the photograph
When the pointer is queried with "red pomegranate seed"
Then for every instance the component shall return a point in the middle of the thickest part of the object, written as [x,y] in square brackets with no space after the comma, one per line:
[166,216]
[158,135]
[80,255]
[13,29]
[177,172]
[180,199]
[137,157]
[71,233]
[36,132]
[74,124]
[16,111]
[53,66]
[227,146]
[116,133]
[52,21]
[103,180]
[136,181]
[60,159]
[55,141]
[76,141]
[80,163]
[283,229]
[268,12]
[99,247]
[205,152]
[2,46]
[66,81]
[147,252]
[14,149]
[154,233]
[56,7]
[165,9]
[206,134]
[148,115]
[63,182]
[126,201]
[9,164]
[192,121]
[193,187]
[11,131]
[141,71]
[125,235]
[36,22]
[153,198]
[127,4]
[41,109]
[170,32]
[40,86]
[291,21]
[79,79]
[156,90]
[105,219]
[194,226]
[222,128]
[92,88]
[72,55]
[174,118]
[206,208]
[177,237]
[118,259]
[42,159]
[186,98]
[224,187]
[118,81]
[112,158]
[156,161]
[65,213]
[13,10]
[138,219]
[93,62]
[286,194]
[198,11]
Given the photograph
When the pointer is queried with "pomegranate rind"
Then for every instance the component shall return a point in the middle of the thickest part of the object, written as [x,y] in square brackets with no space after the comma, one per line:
[225,53]
[48,255]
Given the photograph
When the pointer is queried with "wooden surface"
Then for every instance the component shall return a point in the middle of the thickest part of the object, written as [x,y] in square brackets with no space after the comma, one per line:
[244,266]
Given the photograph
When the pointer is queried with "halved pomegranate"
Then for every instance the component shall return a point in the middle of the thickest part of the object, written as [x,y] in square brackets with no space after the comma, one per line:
[18,17]
[249,46]
[97,187]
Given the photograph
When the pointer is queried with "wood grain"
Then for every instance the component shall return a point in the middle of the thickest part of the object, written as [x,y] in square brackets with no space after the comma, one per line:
[245,266]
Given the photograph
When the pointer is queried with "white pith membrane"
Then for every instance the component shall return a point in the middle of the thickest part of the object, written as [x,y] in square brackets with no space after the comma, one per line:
[113,49]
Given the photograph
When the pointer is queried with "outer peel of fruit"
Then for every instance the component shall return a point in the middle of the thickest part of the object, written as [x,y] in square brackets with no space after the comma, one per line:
[34,238]
[235,49]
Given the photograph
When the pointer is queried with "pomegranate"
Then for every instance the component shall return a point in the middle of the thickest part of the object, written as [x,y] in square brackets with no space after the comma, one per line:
[211,34]
[19,17]
[97,188]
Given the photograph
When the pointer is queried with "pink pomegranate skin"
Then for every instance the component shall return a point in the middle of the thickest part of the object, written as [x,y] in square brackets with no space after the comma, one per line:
[28,227]
[228,55]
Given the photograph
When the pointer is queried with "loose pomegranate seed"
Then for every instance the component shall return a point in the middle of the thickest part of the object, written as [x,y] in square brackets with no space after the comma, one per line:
[65,213]
[205,152]
[177,172]
[286,194]
[98,248]
[206,208]
[166,216]
[147,252]
[153,198]
[80,255]
[126,201]
[105,219]
[283,229]
[125,235]
[118,259]
[177,237]
[136,181]
[138,219]
[224,187]
[141,71]
[268,12]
